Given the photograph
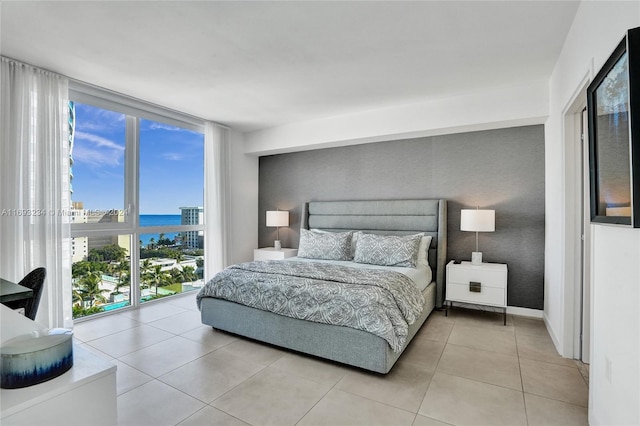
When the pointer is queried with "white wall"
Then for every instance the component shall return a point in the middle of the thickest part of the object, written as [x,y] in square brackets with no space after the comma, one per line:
[597,29]
[244,201]
[489,109]
[614,398]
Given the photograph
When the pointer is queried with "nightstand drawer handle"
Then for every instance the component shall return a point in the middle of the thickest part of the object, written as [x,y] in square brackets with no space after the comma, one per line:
[475,287]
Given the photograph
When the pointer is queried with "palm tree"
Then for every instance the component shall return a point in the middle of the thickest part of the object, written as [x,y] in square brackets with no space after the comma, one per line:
[157,277]
[168,279]
[123,271]
[189,273]
[145,278]
[176,275]
[90,289]
[78,297]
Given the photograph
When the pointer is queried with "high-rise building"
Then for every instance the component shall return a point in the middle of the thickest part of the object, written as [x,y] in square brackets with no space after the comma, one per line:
[80,246]
[192,216]
[72,134]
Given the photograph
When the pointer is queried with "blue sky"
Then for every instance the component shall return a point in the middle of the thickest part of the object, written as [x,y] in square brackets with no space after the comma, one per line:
[171,163]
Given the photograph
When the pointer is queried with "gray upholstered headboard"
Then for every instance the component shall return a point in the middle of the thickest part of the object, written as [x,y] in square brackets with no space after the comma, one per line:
[388,217]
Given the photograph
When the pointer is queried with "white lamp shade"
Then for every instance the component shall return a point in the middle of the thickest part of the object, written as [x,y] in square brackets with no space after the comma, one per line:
[277,218]
[477,220]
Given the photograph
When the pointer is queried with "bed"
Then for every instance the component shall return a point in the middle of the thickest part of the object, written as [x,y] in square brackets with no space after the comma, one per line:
[344,344]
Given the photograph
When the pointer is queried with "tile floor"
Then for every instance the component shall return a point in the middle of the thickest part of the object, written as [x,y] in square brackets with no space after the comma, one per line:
[465,369]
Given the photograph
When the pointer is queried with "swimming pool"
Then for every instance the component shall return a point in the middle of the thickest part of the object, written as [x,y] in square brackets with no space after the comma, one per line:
[112,306]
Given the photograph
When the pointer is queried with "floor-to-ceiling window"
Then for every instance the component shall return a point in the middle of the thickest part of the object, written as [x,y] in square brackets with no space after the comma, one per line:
[137,186]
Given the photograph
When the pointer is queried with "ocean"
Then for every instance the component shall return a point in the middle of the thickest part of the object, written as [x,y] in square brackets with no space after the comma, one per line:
[158,220]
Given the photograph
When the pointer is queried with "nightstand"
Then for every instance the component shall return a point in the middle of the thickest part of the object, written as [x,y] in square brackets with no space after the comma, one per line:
[270,253]
[484,284]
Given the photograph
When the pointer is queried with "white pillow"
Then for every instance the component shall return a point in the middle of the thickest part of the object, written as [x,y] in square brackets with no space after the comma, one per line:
[423,251]
[354,242]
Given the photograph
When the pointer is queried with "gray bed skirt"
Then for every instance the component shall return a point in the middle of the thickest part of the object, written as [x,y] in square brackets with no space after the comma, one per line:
[342,344]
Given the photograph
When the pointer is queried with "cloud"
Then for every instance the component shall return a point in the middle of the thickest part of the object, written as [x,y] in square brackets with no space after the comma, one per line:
[96,119]
[173,156]
[154,126]
[96,150]
[96,158]
[99,141]
[92,126]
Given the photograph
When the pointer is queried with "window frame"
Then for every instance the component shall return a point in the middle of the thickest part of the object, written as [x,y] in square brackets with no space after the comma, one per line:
[134,110]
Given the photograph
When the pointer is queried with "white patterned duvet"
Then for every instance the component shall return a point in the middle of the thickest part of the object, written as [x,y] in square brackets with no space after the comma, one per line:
[379,300]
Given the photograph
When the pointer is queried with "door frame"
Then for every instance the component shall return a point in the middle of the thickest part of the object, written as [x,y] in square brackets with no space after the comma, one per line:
[577,229]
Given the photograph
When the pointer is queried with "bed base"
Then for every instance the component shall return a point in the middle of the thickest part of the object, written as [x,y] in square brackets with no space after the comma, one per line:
[342,344]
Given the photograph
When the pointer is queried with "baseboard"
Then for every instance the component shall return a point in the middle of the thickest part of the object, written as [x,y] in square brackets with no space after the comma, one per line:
[514,310]
[552,334]
[525,312]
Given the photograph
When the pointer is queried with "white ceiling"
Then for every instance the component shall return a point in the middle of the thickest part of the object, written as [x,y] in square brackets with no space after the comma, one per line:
[253,65]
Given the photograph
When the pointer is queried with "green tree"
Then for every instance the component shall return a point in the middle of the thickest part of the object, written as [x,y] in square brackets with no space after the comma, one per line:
[89,289]
[108,253]
[189,273]
[176,275]
[83,267]
[164,241]
[123,274]
[178,256]
[145,278]
[159,278]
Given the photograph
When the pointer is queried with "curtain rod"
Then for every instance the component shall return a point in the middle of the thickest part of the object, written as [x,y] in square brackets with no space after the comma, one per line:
[24,64]
[74,81]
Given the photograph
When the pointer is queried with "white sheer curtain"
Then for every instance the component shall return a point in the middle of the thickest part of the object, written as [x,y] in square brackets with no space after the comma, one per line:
[216,199]
[34,189]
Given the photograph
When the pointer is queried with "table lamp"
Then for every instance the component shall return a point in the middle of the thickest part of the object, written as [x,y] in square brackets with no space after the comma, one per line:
[477,221]
[277,218]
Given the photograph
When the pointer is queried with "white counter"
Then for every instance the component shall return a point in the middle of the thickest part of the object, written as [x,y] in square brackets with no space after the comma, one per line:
[86,394]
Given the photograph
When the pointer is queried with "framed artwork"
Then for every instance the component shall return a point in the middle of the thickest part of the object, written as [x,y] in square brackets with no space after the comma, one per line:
[613,103]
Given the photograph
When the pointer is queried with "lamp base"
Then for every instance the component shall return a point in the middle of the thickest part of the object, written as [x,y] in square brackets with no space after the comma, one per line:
[277,245]
[476,258]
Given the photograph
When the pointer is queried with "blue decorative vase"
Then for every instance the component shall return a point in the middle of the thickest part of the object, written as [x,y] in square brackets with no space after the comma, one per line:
[31,359]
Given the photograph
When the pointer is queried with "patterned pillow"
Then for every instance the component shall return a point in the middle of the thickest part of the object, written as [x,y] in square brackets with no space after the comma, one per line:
[325,245]
[387,250]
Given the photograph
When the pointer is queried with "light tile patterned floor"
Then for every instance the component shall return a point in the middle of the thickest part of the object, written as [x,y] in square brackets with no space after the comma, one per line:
[465,369]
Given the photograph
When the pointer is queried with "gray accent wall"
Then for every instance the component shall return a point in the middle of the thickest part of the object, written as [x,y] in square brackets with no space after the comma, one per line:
[498,169]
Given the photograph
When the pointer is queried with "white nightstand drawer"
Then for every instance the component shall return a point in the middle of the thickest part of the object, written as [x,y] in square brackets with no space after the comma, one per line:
[487,296]
[487,276]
